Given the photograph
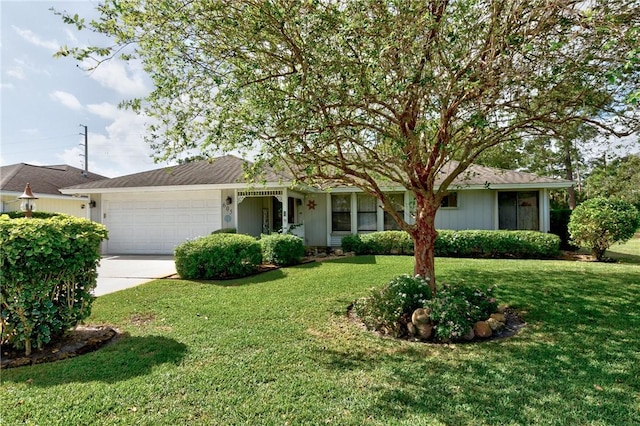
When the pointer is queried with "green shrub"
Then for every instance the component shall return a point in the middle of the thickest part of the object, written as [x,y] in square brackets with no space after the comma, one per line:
[282,249]
[34,215]
[352,243]
[599,222]
[517,244]
[225,231]
[383,242]
[455,308]
[385,309]
[466,243]
[47,270]
[218,256]
[388,242]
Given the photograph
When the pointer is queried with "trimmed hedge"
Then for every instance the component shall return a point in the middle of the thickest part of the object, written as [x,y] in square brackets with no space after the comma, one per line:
[225,231]
[218,256]
[384,242]
[48,271]
[465,243]
[282,249]
[35,215]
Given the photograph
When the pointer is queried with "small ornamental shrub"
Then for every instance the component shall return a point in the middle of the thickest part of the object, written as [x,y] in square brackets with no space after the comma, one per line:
[218,256]
[455,308]
[600,222]
[386,307]
[353,243]
[282,249]
[48,271]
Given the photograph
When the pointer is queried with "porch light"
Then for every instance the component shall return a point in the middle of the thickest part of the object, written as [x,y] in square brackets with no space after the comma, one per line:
[28,206]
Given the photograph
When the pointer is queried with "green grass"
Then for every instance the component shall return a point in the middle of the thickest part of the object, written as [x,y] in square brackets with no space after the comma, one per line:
[276,349]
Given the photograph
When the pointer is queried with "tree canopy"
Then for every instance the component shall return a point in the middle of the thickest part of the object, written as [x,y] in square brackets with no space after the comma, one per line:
[618,178]
[375,93]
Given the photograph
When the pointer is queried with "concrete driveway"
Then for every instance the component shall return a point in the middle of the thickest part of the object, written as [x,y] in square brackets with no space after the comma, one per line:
[120,272]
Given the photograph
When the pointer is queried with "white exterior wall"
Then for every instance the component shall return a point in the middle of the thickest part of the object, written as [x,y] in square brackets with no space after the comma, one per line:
[156,222]
[315,219]
[71,206]
[475,211]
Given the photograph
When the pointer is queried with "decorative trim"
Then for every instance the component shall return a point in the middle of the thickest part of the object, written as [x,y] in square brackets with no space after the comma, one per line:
[259,193]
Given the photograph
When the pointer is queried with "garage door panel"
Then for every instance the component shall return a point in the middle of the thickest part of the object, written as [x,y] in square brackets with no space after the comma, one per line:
[155,223]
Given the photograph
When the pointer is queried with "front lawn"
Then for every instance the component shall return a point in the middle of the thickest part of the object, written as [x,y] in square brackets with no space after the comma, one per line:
[277,349]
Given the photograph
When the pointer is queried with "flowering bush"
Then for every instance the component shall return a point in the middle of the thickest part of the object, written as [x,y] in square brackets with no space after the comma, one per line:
[452,310]
[388,308]
[455,308]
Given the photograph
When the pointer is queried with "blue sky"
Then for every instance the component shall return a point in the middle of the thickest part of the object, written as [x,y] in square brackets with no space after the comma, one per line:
[44,100]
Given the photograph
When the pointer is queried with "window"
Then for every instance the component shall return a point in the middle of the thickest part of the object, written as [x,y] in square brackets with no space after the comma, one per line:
[450,200]
[518,210]
[389,222]
[367,213]
[341,212]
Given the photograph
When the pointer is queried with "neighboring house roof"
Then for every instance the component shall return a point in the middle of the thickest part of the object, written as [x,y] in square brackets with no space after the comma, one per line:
[44,180]
[228,170]
[225,170]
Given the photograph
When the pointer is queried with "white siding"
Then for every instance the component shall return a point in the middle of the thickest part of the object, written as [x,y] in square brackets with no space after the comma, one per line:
[156,222]
[475,211]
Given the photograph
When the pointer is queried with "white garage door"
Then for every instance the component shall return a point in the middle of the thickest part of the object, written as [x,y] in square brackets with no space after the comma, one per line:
[156,222]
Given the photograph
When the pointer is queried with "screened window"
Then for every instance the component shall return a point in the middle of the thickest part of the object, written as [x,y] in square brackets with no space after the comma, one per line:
[390,223]
[341,212]
[367,213]
[450,200]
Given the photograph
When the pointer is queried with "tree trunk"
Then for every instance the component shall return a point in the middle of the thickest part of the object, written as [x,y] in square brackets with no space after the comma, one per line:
[568,165]
[424,239]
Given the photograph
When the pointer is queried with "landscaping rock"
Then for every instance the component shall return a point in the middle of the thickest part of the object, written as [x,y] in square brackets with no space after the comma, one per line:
[420,316]
[411,329]
[502,308]
[500,317]
[395,251]
[495,324]
[469,336]
[338,252]
[482,329]
[424,330]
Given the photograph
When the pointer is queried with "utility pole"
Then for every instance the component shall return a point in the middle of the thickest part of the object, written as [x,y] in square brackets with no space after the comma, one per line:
[86,150]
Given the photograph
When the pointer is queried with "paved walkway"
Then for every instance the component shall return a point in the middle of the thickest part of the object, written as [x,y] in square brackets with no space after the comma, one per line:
[125,271]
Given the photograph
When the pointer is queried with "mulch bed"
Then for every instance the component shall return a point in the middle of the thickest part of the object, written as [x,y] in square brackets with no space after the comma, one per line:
[81,340]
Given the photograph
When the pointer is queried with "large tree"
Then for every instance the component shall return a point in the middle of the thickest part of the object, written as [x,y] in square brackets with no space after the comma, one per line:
[617,178]
[374,93]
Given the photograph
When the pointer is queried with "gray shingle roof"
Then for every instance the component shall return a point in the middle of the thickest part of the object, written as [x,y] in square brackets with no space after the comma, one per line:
[482,175]
[222,170]
[43,179]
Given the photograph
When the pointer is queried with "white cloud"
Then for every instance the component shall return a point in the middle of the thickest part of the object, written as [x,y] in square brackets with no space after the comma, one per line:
[117,151]
[105,110]
[6,86]
[123,77]
[35,39]
[66,99]
[17,72]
